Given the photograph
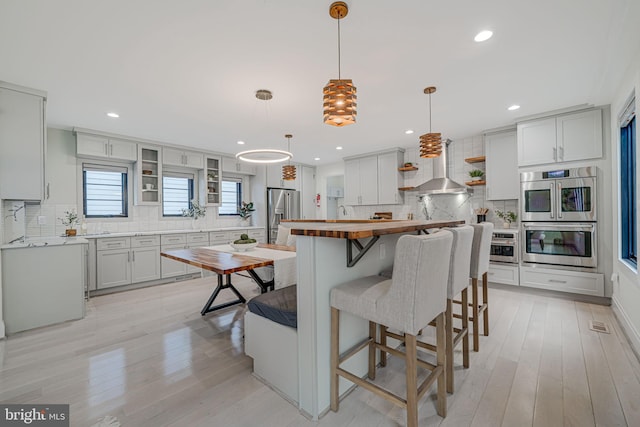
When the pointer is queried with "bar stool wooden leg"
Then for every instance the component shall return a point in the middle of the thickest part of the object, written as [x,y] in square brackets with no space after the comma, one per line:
[335,355]
[411,356]
[476,324]
[372,350]
[441,358]
[485,302]
[383,341]
[449,347]
[465,326]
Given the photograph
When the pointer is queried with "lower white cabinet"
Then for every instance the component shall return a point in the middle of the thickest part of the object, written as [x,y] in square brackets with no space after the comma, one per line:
[507,274]
[577,282]
[125,260]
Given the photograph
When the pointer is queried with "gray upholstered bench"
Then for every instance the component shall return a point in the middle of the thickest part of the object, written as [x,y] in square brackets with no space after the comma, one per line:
[280,306]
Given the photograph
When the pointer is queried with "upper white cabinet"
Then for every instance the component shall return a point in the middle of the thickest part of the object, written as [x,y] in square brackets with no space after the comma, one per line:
[102,147]
[148,175]
[22,143]
[389,178]
[576,136]
[373,179]
[231,164]
[183,158]
[502,178]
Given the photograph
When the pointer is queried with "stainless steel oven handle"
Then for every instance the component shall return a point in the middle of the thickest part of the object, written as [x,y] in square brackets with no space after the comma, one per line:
[559,199]
[552,199]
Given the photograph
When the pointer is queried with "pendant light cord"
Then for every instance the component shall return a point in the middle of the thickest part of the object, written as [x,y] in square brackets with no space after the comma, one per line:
[429,113]
[339,17]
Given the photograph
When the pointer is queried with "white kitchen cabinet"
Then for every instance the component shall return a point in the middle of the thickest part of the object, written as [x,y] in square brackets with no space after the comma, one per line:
[259,234]
[218,238]
[42,285]
[182,158]
[196,240]
[389,178]
[577,282]
[148,171]
[102,147]
[113,268]
[502,177]
[363,177]
[212,181]
[579,136]
[507,274]
[123,260]
[169,267]
[569,137]
[361,181]
[233,165]
[23,143]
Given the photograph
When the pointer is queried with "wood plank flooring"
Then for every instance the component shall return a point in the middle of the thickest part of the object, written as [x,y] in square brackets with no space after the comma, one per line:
[148,358]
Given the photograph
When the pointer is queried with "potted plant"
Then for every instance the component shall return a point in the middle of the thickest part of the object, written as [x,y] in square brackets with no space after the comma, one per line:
[70,220]
[476,174]
[194,212]
[508,217]
[245,210]
[408,164]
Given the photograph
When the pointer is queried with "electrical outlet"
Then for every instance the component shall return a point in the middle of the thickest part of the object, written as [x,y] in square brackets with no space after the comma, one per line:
[383,251]
[42,220]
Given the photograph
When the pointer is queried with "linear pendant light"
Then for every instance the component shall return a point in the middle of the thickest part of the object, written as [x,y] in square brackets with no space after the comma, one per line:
[339,102]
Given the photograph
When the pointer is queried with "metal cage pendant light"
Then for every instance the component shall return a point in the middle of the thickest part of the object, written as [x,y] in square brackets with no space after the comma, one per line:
[289,171]
[339,101]
[430,143]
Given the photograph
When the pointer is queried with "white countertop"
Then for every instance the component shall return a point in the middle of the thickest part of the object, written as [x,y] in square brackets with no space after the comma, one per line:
[37,242]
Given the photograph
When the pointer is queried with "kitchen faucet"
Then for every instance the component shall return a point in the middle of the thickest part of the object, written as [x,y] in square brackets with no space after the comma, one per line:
[344,210]
[19,239]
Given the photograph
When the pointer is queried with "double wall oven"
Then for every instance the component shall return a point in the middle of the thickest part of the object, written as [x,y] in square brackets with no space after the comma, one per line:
[559,221]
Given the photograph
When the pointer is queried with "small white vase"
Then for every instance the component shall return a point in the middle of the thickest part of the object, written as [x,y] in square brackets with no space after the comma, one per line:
[506,225]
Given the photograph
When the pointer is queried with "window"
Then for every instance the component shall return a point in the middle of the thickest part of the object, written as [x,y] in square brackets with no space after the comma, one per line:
[104,191]
[177,193]
[628,212]
[231,196]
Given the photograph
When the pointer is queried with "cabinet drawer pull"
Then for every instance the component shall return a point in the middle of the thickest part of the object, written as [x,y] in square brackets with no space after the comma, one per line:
[557,281]
[146,241]
[113,244]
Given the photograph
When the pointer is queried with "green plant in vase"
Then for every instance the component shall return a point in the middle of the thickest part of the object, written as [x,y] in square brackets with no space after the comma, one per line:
[507,217]
[70,220]
[245,211]
[476,174]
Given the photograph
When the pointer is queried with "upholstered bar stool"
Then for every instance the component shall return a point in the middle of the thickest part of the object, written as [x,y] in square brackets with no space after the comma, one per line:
[480,252]
[415,295]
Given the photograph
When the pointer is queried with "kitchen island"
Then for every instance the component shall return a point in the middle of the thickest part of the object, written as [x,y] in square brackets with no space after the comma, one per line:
[323,262]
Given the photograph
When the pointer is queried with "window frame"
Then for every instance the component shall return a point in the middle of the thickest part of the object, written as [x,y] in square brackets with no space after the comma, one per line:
[107,166]
[178,174]
[239,180]
[628,217]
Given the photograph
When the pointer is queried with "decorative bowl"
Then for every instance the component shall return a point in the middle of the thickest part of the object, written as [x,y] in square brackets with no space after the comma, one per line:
[241,247]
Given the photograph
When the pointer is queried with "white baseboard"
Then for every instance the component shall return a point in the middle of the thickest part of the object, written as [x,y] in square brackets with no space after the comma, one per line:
[628,327]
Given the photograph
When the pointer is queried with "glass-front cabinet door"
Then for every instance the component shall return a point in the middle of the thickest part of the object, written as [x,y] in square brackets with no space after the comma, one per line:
[212,180]
[148,173]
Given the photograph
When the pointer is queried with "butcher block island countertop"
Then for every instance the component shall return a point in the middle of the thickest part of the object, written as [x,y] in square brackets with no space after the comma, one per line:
[358,229]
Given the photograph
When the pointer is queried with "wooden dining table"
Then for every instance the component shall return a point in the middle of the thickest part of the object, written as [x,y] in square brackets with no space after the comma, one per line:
[224,264]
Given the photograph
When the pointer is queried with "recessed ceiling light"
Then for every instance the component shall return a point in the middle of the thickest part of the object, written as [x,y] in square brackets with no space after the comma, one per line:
[513,107]
[338,148]
[483,36]
[316,158]
[113,115]
[408,131]
[240,142]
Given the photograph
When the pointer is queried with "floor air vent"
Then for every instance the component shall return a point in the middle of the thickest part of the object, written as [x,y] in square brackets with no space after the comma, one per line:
[597,326]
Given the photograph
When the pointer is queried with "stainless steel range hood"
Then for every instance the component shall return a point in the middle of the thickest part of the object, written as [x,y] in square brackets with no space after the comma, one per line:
[441,183]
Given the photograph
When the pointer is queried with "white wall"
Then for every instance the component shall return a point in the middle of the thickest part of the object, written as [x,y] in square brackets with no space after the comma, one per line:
[626,291]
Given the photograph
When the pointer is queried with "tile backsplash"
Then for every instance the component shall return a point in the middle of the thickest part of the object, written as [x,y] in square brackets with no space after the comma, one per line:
[37,220]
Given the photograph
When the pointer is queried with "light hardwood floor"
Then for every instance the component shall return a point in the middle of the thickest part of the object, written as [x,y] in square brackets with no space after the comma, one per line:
[148,358]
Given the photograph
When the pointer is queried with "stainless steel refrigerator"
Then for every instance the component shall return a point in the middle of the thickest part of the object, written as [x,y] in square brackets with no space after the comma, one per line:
[281,204]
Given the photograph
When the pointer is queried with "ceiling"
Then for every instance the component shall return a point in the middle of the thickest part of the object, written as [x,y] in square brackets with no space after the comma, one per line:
[185,72]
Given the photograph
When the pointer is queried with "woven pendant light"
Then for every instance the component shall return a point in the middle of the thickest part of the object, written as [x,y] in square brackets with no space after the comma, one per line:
[430,143]
[339,101]
[289,171]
